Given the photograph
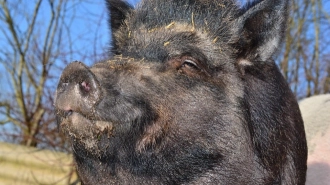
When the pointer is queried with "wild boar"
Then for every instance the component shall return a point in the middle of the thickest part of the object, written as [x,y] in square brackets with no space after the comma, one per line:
[190,95]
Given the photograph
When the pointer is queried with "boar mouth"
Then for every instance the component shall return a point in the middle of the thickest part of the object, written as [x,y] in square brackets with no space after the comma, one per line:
[77,126]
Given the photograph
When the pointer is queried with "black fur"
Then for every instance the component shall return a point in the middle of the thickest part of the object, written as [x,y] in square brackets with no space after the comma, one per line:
[118,11]
[191,96]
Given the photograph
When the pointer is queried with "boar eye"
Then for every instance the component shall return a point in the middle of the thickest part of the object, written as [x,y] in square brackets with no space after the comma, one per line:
[190,64]
[185,64]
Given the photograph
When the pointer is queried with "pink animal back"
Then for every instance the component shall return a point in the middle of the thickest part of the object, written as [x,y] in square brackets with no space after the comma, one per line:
[316,115]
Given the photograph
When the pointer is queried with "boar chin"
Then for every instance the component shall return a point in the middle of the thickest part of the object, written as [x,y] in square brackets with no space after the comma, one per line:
[87,132]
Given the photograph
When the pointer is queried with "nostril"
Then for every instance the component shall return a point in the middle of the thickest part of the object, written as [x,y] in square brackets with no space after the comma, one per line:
[62,87]
[85,86]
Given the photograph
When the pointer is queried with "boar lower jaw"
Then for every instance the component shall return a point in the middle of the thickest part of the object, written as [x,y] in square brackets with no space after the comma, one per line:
[86,131]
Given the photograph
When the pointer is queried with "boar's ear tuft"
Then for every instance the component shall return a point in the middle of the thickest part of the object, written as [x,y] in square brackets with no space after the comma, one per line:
[260,29]
[118,11]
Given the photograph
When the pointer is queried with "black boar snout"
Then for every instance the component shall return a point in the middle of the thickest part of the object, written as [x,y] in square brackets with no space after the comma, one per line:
[78,91]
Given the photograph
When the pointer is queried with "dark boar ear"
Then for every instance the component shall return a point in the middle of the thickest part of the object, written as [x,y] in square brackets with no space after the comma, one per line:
[118,11]
[260,28]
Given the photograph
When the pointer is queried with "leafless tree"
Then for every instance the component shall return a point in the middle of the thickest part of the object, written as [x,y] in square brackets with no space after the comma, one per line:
[305,60]
[37,39]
